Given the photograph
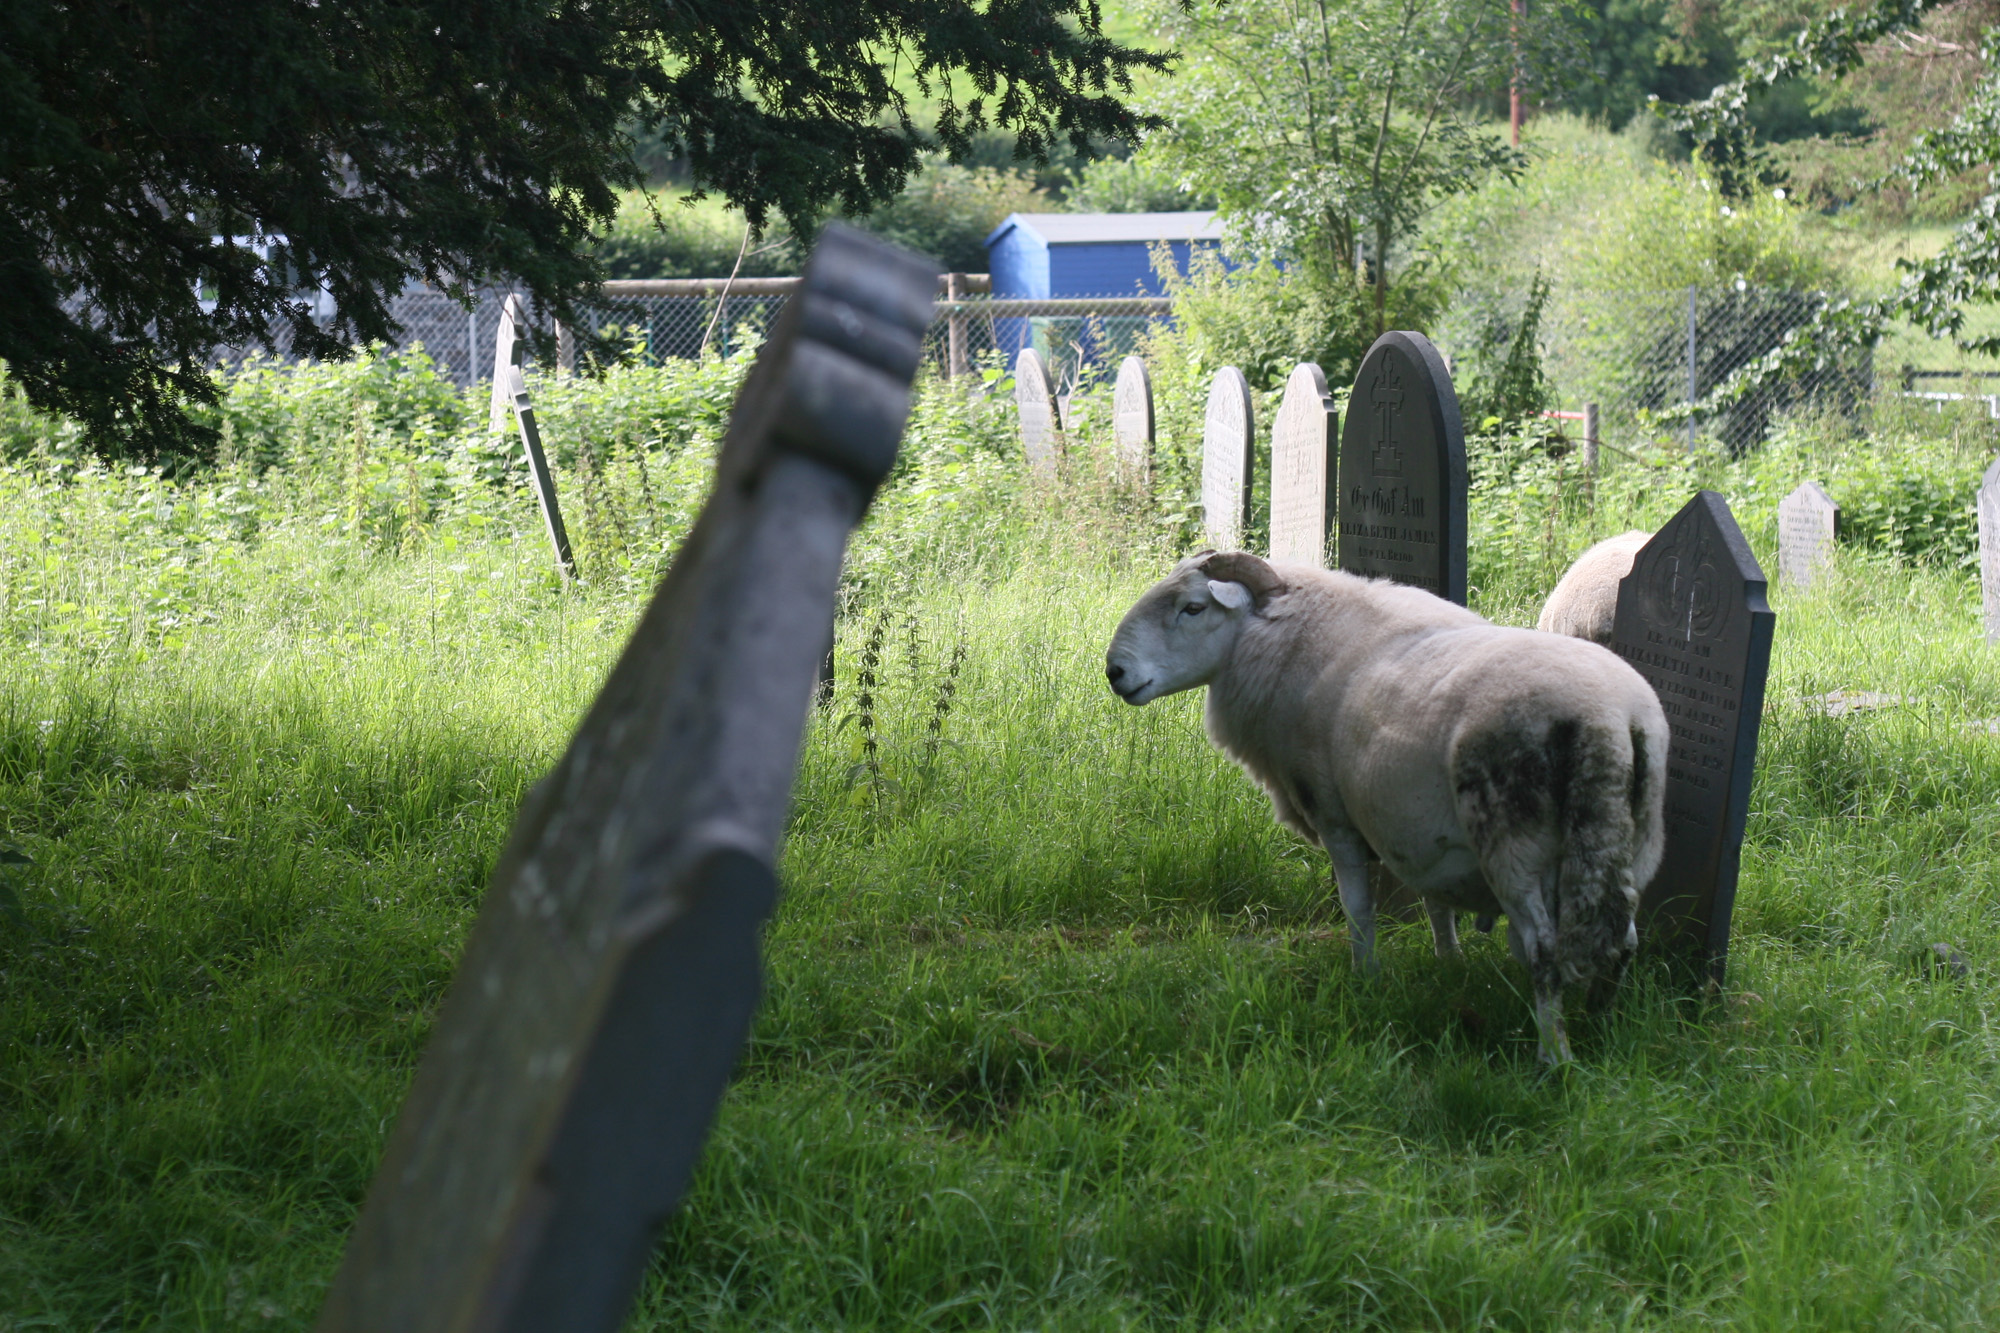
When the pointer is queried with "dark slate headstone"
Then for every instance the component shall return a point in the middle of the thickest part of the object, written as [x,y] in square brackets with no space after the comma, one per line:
[1035,402]
[510,393]
[1228,432]
[611,976]
[1988,508]
[1693,621]
[1132,421]
[1808,522]
[1302,469]
[1402,470]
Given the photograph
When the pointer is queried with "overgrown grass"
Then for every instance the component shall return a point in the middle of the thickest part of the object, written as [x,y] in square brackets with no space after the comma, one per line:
[1061,1030]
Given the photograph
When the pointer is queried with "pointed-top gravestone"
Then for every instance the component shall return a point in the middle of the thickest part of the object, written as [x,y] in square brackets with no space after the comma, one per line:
[1035,403]
[1132,421]
[1228,430]
[610,979]
[1303,465]
[1808,522]
[1693,621]
[1402,470]
[1988,507]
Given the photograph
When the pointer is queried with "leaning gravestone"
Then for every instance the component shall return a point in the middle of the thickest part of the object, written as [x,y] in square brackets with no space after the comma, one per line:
[609,982]
[1402,470]
[510,392]
[1808,522]
[1227,433]
[1988,505]
[1693,621]
[1303,464]
[1035,403]
[1132,421]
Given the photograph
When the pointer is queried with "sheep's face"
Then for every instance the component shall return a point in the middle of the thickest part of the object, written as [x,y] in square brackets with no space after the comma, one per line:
[1177,636]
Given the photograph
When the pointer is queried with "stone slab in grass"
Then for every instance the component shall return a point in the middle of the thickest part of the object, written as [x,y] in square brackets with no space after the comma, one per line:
[1132,422]
[1693,620]
[1402,470]
[1808,522]
[1035,405]
[609,981]
[1988,508]
[1302,469]
[1228,429]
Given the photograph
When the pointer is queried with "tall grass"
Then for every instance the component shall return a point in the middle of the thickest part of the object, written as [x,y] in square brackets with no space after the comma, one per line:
[1061,1030]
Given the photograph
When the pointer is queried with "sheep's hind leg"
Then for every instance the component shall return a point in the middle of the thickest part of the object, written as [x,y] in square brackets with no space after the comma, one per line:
[1532,942]
[1444,928]
[1350,874]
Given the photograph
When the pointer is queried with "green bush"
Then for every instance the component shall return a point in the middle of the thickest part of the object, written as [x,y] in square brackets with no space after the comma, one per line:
[665,237]
[1135,184]
[948,211]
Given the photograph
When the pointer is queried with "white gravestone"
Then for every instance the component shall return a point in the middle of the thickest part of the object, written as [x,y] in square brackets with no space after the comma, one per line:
[1035,401]
[1989,550]
[1808,520]
[1303,469]
[1132,421]
[507,350]
[1227,432]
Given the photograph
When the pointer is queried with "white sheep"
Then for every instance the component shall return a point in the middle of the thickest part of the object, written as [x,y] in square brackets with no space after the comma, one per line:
[1584,602]
[1493,770]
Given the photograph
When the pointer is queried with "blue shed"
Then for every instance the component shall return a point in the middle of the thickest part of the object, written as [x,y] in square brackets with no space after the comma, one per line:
[1059,256]
[1053,255]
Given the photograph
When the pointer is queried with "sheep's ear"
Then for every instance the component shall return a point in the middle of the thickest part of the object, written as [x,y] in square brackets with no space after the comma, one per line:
[1259,578]
[1232,595]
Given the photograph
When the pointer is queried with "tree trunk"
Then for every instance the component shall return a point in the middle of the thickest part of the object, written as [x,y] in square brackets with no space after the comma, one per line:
[1381,278]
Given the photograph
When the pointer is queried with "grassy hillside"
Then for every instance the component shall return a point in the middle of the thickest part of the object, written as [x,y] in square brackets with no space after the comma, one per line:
[1061,1030]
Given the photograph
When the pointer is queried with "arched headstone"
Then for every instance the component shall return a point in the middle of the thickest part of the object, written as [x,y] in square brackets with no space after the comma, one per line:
[1808,521]
[1693,621]
[1228,429]
[1035,402]
[1302,469]
[1132,421]
[1402,470]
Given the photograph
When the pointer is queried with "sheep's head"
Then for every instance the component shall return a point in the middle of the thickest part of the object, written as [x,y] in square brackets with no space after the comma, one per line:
[1180,633]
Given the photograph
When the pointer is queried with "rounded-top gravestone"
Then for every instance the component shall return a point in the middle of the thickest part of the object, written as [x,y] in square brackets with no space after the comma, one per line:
[1402,470]
[1132,421]
[1302,469]
[1693,621]
[1035,403]
[1988,508]
[1227,432]
[1808,522]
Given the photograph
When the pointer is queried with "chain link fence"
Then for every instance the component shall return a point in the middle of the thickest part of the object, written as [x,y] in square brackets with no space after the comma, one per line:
[1634,353]
[680,318]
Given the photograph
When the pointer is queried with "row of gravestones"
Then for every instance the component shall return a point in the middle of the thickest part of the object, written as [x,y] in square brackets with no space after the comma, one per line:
[1391,486]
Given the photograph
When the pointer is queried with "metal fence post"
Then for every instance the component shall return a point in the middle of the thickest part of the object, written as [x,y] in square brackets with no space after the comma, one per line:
[565,349]
[1590,438]
[472,343]
[1692,378]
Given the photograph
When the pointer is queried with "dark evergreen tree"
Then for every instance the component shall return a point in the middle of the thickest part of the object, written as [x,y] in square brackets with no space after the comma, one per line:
[151,149]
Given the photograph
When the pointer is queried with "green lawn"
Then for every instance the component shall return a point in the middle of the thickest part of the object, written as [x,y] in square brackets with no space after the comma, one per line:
[1061,1030]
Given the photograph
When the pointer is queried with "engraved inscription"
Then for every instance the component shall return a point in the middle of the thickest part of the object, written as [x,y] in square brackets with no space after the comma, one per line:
[1386,397]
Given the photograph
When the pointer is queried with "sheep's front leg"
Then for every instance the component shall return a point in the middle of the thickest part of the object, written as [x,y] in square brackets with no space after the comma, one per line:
[1444,928]
[1350,873]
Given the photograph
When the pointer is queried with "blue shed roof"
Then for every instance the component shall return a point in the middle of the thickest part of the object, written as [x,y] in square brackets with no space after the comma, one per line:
[1103,228]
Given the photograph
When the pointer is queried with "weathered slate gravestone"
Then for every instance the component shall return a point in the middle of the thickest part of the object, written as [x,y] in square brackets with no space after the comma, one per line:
[1303,466]
[1132,421]
[1402,470]
[1988,507]
[1035,403]
[510,393]
[609,982]
[1808,522]
[1228,432]
[1693,621]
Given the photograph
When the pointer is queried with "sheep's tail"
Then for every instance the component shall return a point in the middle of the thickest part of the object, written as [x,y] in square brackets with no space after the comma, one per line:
[1602,793]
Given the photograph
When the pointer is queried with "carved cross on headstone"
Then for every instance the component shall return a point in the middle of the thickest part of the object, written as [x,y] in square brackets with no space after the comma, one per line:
[1386,397]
